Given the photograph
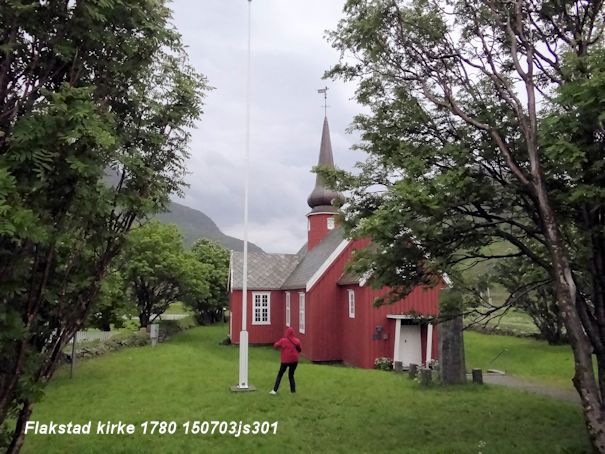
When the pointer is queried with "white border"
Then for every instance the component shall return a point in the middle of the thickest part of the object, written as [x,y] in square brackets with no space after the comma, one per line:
[302,327]
[288,310]
[351,303]
[268,322]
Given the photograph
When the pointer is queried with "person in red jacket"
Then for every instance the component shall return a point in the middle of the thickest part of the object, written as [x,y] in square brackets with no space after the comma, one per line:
[290,350]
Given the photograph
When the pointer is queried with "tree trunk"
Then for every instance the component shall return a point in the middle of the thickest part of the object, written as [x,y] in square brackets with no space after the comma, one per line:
[19,434]
[143,320]
[584,377]
[105,325]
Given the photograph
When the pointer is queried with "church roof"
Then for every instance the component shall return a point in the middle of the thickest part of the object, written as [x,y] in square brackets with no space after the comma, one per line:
[265,271]
[313,260]
[284,271]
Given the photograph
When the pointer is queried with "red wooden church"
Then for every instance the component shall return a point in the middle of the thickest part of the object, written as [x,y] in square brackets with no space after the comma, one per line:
[331,311]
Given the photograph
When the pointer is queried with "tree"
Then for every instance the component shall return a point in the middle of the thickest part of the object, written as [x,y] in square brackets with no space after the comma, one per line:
[533,293]
[113,306]
[85,87]
[159,272]
[216,257]
[485,126]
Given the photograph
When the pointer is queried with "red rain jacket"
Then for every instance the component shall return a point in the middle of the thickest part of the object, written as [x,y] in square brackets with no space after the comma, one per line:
[287,345]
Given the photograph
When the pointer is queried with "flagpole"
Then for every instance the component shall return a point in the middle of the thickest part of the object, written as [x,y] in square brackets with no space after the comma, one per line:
[243,384]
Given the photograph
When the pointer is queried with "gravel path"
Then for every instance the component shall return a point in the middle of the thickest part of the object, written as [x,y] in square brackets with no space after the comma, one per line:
[544,390]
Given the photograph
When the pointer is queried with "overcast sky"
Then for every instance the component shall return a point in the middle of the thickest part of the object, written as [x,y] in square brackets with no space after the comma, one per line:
[290,55]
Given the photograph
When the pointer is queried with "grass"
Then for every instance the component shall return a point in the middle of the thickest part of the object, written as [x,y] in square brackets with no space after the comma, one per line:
[512,322]
[177,308]
[526,358]
[337,409]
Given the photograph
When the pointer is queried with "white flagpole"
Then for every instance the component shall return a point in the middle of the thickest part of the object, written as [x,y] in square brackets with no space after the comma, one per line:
[243,336]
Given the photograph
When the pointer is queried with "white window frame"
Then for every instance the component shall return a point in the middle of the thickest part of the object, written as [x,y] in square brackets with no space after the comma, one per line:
[301,313]
[288,310]
[330,223]
[259,304]
[351,303]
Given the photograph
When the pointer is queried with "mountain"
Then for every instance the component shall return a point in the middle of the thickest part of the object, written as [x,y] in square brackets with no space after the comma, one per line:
[194,225]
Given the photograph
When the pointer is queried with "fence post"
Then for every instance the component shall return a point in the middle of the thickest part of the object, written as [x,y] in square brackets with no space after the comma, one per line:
[426,376]
[477,376]
[73,354]
[413,371]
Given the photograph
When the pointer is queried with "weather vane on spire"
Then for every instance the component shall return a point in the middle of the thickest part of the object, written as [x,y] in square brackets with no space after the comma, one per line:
[325,106]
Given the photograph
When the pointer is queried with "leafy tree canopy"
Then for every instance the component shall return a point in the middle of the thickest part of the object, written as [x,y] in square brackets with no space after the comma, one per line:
[88,90]
[216,258]
[484,125]
[159,272]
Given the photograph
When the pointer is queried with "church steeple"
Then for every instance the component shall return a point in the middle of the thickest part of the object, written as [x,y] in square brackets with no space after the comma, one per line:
[321,219]
[320,199]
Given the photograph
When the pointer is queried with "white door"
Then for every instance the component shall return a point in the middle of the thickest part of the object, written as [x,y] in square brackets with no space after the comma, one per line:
[410,348]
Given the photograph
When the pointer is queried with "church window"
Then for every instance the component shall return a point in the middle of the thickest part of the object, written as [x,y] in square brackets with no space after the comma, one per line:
[301,312]
[330,223]
[261,308]
[351,303]
[288,316]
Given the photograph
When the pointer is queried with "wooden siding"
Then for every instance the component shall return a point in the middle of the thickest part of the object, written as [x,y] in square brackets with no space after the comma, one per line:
[258,334]
[317,229]
[330,335]
[326,309]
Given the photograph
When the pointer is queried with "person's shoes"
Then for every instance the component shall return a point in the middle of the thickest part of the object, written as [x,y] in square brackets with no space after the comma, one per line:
[273,392]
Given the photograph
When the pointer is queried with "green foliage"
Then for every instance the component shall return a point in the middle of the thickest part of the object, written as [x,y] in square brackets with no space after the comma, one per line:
[87,89]
[215,258]
[483,125]
[436,191]
[383,363]
[451,301]
[532,291]
[169,328]
[159,272]
[112,307]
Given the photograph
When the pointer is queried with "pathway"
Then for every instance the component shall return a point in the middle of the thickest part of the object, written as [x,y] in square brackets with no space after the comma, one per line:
[535,388]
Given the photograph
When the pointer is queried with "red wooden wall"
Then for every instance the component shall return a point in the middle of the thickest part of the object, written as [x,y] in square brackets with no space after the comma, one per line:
[330,335]
[317,228]
[258,334]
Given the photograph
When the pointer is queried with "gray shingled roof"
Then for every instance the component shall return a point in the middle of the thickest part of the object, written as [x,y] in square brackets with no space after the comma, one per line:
[313,260]
[265,271]
[348,278]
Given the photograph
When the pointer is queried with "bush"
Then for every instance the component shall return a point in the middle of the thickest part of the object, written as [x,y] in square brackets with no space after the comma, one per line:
[169,328]
[383,363]
[117,342]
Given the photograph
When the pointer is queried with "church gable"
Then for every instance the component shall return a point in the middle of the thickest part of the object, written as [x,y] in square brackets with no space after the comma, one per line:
[311,266]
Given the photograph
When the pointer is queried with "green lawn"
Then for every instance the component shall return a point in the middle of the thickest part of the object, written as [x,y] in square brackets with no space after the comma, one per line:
[512,321]
[177,308]
[337,409]
[526,358]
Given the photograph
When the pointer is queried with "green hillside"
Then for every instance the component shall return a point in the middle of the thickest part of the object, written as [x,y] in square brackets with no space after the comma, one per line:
[194,224]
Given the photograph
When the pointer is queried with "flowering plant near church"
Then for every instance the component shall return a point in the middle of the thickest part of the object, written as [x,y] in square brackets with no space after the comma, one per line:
[383,363]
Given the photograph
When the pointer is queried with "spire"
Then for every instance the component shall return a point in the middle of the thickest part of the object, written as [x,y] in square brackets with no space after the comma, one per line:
[321,197]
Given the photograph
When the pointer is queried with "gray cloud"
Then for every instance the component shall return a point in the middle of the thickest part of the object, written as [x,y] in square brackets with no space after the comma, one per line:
[290,56]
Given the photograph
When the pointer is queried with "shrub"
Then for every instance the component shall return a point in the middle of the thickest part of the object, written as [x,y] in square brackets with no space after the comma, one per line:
[383,363]
[169,328]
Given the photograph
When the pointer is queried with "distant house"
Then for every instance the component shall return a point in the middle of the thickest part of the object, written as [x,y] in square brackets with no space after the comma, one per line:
[331,311]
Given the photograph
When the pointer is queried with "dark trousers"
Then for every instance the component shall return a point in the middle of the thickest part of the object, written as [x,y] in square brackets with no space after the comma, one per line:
[282,368]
